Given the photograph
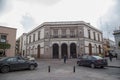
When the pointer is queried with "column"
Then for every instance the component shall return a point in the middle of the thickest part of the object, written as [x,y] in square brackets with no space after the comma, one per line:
[68,51]
[59,51]
[78,50]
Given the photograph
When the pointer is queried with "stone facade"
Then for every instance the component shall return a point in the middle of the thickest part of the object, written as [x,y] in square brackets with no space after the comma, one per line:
[8,35]
[56,39]
[117,40]
[21,45]
[109,46]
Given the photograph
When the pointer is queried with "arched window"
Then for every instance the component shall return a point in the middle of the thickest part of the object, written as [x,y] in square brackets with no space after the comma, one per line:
[90,49]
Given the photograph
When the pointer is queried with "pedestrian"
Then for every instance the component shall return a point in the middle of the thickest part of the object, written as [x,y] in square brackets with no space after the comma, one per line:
[78,56]
[65,57]
[116,55]
[110,56]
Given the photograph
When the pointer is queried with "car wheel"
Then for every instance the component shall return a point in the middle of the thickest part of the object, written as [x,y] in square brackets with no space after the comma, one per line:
[102,67]
[80,64]
[5,69]
[92,65]
[32,67]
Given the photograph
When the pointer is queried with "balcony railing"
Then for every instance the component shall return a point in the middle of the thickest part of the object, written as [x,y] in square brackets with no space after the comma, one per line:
[63,36]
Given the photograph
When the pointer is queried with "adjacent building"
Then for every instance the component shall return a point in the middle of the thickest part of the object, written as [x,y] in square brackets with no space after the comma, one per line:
[21,45]
[108,46]
[117,40]
[70,38]
[8,35]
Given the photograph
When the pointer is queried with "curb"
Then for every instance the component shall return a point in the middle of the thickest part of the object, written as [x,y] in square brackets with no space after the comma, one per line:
[114,66]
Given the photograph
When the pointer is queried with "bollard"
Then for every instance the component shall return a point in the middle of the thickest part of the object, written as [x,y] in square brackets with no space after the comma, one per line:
[74,69]
[49,69]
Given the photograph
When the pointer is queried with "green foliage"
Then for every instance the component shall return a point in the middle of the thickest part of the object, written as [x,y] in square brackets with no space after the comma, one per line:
[4,46]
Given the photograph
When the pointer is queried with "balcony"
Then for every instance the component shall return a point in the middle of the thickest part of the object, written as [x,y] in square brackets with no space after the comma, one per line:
[63,36]
[55,36]
[73,36]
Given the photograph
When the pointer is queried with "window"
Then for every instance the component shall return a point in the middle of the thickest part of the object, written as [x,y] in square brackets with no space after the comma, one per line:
[85,57]
[33,37]
[29,39]
[46,34]
[89,36]
[24,42]
[89,57]
[55,33]
[94,36]
[72,33]
[3,38]
[63,33]
[98,37]
[38,35]
[97,57]
[12,60]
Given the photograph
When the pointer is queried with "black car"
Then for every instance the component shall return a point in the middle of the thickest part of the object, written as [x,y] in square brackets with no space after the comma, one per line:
[16,63]
[92,61]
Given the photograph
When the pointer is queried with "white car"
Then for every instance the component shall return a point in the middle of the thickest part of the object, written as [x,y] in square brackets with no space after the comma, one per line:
[30,58]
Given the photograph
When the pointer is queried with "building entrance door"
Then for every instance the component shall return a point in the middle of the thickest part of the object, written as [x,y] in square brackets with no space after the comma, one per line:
[73,53]
[38,51]
[90,49]
[64,50]
[55,51]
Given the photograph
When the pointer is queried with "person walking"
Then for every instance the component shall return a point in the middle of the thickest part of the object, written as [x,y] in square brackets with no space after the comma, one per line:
[110,56]
[116,55]
[65,57]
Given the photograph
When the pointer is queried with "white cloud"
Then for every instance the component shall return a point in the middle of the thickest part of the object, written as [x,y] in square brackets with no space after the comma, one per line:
[43,2]
[54,10]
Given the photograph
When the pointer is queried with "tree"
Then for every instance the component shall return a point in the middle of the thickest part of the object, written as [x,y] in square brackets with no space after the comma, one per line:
[4,46]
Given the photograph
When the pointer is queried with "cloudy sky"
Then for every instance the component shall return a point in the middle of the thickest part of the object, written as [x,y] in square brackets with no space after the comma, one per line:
[28,14]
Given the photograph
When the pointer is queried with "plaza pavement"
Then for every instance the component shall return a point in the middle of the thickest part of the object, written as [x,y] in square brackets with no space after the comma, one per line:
[61,71]
[115,63]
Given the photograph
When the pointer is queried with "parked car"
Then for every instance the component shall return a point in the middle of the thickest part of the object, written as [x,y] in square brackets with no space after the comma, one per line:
[92,61]
[16,63]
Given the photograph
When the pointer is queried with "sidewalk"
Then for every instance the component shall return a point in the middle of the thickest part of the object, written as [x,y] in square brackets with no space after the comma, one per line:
[115,63]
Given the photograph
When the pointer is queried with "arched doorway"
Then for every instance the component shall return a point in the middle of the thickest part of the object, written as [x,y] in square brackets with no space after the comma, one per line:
[2,53]
[90,49]
[38,51]
[55,51]
[99,49]
[64,50]
[73,53]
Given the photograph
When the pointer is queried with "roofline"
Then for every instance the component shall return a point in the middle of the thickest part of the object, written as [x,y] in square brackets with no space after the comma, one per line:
[21,36]
[63,23]
[8,27]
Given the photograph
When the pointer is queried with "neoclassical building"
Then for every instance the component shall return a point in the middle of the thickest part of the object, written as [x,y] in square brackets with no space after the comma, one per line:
[70,38]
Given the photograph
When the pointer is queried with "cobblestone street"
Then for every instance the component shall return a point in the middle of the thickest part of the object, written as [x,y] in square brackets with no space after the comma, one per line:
[61,71]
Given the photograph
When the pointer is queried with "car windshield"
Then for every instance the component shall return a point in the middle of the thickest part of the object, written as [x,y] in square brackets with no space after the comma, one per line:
[97,57]
[3,58]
